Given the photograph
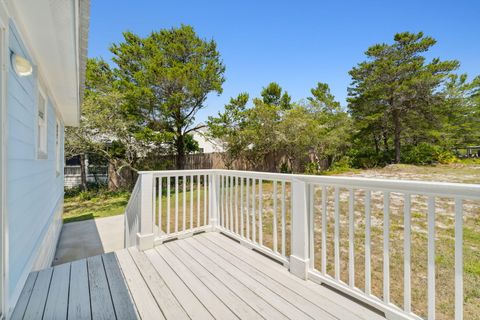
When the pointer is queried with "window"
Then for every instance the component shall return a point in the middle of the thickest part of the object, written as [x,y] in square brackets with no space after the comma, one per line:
[42,127]
[58,149]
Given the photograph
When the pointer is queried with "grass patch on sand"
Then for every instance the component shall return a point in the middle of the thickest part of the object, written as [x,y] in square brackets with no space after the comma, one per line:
[88,205]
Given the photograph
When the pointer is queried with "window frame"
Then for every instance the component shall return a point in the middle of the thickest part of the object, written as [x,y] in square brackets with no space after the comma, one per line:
[58,149]
[42,129]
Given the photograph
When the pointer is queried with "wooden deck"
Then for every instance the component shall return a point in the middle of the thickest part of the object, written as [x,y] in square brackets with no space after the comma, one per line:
[207,276]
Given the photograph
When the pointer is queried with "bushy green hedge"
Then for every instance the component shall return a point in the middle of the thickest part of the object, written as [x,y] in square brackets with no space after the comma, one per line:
[366,158]
[425,153]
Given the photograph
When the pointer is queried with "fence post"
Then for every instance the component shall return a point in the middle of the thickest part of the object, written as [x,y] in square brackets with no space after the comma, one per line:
[299,257]
[213,196]
[145,235]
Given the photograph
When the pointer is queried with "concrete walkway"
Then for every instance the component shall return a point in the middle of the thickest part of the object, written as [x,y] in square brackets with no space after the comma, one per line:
[88,238]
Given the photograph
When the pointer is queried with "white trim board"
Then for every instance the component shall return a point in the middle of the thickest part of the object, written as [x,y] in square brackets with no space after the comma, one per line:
[4,59]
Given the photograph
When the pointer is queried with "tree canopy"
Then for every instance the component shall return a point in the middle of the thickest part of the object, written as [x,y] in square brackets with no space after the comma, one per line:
[396,91]
[105,129]
[145,102]
[166,78]
[273,128]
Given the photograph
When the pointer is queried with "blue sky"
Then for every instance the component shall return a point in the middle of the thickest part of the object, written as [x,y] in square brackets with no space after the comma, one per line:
[294,43]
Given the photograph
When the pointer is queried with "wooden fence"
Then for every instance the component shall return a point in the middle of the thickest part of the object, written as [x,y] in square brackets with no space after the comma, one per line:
[271,163]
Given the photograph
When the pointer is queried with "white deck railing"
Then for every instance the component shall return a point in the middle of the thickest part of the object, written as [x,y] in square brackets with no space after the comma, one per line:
[132,215]
[310,224]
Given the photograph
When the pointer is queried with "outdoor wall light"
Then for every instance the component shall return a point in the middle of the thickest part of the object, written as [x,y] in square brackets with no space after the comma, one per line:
[22,66]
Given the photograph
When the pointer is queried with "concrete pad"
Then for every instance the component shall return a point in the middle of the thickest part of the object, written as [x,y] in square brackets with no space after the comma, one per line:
[88,238]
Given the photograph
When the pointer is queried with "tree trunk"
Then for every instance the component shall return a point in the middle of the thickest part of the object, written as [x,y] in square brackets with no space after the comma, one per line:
[397,133]
[113,177]
[118,179]
[180,146]
[377,148]
[83,173]
[385,140]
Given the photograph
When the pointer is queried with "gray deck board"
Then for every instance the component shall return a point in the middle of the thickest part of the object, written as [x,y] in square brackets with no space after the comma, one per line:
[280,288]
[100,299]
[24,297]
[160,291]
[79,296]
[216,307]
[189,301]
[274,298]
[36,304]
[221,290]
[207,276]
[260,305]
[57,300]
[146,305]
[341,307]
[122,303]
[228,297]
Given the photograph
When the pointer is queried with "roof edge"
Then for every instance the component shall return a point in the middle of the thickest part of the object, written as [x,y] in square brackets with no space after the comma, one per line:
[84,26]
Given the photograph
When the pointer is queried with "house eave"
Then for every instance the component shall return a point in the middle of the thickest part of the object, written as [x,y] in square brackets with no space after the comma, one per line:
[56,36]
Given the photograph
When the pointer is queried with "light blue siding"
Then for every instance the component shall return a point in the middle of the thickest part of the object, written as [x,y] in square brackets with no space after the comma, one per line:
[34,190]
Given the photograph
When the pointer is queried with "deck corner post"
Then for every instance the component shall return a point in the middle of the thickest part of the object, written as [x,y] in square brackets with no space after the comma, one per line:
[299,258]
[213,199]
[145,235]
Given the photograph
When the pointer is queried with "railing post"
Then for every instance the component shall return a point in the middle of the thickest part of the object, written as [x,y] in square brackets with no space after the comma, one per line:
[145,235]
[299,258]
[213,199]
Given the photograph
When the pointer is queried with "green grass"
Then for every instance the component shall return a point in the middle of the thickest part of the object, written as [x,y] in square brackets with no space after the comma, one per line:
[89,205]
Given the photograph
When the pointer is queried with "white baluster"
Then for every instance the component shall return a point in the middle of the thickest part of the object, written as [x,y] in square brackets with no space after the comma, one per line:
[368,242]
[458,259]
[386,247]
[407,296]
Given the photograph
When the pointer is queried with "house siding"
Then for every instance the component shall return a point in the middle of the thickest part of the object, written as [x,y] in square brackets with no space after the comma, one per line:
[34,190]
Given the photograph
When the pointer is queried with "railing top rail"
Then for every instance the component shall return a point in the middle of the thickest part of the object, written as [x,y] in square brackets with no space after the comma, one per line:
[178,172]
[463,190]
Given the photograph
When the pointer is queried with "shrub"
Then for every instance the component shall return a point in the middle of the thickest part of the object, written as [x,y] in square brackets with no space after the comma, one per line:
[284,168]
[368,158]
[422,153]
[72,192]
[340,166]
[312,168]
[425,153]
[446,157]
[344,164]
[92,187]
[86,195]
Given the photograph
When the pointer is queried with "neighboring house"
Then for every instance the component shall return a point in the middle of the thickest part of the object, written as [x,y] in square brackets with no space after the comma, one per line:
[73,172]
[43,56]
[206,144]
[73,176]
